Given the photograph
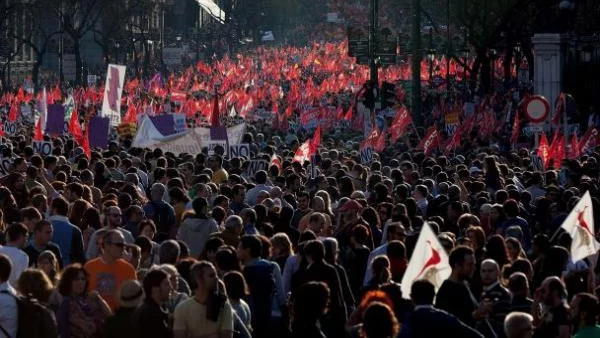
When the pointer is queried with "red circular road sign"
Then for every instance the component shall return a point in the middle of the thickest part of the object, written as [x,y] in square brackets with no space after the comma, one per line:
[537,109]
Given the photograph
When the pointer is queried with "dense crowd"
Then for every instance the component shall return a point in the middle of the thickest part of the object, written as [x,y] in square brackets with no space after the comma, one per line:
[130,242]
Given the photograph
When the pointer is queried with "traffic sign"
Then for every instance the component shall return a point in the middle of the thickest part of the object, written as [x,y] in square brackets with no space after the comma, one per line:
[537,109]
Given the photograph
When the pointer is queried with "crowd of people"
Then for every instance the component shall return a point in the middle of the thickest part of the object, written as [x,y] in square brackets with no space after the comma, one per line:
[131,242]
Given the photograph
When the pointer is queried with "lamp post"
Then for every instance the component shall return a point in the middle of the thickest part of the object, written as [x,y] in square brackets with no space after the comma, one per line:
[117,47]
[373,42]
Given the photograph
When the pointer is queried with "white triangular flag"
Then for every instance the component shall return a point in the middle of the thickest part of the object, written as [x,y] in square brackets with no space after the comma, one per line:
[302,153]
[232,112]
[580,225]
[429,261]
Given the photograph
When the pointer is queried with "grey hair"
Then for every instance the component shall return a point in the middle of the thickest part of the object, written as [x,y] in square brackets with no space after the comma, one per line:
[234,222]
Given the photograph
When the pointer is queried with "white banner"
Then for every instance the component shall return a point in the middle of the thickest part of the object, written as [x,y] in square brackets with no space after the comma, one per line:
[191,141]
[113,89]
[212,9]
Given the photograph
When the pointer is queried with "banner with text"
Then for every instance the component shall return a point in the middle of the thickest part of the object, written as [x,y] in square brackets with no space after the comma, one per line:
[113,89]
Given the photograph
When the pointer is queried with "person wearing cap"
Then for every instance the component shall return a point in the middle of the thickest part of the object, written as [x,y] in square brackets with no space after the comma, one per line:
[197,228]
[349,216]
[118,325]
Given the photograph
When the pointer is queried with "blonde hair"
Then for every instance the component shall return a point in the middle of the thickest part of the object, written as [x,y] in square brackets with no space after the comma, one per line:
[282,241]
[50,257]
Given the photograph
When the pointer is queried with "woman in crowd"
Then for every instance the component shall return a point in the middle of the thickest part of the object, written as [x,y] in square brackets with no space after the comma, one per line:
[81,313]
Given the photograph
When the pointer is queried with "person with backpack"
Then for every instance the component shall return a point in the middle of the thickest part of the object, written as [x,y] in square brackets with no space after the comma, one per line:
[22,316]
[8,302]
[161,213]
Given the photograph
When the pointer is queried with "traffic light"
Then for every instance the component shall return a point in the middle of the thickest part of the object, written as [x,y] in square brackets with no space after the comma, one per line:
[388,95]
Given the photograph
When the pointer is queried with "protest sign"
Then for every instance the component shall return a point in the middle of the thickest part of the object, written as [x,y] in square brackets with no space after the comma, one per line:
[254,166]
[43,148]
[239,150]
[98,135]
[366,155]
[56,119]
[113,89]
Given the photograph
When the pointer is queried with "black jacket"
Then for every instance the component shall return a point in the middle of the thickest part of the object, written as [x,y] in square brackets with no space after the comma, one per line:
[151,320]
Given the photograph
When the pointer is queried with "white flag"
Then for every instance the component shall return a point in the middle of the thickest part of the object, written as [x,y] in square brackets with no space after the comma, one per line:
[43,110]
[302,153]
[580,225]
[429,261]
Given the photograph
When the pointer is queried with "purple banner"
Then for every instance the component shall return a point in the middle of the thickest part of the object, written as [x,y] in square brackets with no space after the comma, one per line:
[218,133]
[164,123]
[99,132]
[55,124]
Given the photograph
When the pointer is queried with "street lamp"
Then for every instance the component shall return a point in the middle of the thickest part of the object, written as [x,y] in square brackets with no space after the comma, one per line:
[117,47]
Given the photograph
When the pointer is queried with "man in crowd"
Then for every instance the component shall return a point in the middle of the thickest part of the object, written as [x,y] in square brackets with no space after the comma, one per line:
[151,319]
[67,236]
[554,322]
[114,219]
[109,271]
[16,237]
[41,241]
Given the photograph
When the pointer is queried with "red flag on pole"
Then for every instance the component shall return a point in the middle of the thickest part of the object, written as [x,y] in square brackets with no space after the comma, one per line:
[401,121]
[380,143]
[454,141]
[543,151]
[75,128]
[371,140]
[215,117]
[12,115]
[430,141]
[38,134]
[316,140]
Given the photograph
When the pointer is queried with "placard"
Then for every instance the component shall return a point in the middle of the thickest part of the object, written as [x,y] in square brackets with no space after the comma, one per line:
[43,148]
[10,128]
[113,89]
[255,166]
[213,143]
[239,150]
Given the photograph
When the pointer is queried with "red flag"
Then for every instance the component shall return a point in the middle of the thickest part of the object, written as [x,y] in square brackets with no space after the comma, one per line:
[316,140]
[12,115]
[401,121]
[380,143]
[131,114]
[588,141]
[453,142]
[215,118]
[75,128]
[543,151]
[38,134]
[85,144]
[430,141]
[371,140]
[516,125]
[1,129]
[557,149]
[574,149]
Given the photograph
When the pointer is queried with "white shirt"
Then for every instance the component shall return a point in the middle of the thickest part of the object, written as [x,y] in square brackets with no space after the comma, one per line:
[378,251]
[18,259]
[8,310]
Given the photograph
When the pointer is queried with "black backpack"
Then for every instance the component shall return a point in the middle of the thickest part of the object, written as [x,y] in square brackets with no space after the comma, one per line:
[34,319]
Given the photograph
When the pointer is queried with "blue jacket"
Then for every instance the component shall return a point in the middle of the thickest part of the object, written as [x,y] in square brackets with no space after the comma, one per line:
[69,239]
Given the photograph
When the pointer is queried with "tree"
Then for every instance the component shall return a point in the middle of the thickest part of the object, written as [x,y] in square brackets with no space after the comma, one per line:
[78,18]
[39,37]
